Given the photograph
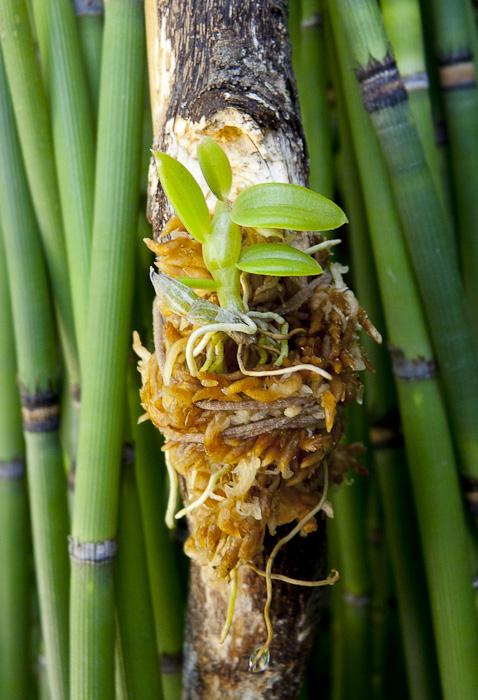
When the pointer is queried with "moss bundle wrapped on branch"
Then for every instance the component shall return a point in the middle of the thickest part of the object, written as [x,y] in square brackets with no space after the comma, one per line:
[249,387]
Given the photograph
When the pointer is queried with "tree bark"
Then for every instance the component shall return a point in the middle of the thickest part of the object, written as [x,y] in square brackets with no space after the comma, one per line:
[222,68]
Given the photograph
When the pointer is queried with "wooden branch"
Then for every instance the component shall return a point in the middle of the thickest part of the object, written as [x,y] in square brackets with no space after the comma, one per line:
[223,69]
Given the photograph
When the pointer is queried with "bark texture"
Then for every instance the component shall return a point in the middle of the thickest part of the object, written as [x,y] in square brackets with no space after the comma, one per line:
[223,69]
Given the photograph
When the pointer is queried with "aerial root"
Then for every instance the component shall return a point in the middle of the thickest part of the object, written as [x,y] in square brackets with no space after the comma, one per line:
[259,659]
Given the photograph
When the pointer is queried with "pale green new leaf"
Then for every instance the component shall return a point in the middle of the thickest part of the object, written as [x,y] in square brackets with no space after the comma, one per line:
[184,195]
[215,167]
[277,260]
[199,283]
[276,205]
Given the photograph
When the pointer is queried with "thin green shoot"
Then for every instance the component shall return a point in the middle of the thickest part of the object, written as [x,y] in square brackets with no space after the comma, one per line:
[332,578]
[323,246]
[199,283]
[215,167]
[173,491]
[282,370]
[230,605]
[207,493]
[268,208]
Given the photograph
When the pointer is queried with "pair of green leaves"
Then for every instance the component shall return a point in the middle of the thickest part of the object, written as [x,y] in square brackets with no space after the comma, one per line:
[271,205]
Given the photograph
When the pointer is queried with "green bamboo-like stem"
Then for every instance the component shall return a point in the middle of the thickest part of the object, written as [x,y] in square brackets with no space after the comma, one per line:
[336,621]
[295,39]
[389,462]
[106,350]
[38,373]
[403,23]
[425,224]
[166,587]
[313,97]
[121,690]
[43,685]
[73,139]
[425,428]
[14,541]
[133,599]
[379,392]
[409,576]
[90,25]
[166,590]
[30,106]
[355,607]
[382,592]
[454,48]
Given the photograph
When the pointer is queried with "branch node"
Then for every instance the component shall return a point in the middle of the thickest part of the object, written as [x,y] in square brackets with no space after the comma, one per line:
[91,552]
[12,469]
[380,84]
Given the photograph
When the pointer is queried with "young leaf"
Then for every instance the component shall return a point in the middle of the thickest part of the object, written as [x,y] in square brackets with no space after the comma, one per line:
[223,245]
[276,205]
[184,195]
[215,167]
[277,260]
[199,283]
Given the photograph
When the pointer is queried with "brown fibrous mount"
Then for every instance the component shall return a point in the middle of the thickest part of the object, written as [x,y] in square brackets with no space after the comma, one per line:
[275,433]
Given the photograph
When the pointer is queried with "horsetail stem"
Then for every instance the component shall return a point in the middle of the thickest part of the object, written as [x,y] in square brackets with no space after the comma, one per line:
[106,349]
[31,112]
[426,432]
[455,37]
[14,542]
[313,97]
[38,376]
[424,222]
[132,593]
[90,18]
[73,140]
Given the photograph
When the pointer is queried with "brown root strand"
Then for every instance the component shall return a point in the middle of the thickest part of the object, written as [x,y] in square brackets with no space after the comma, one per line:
[275,432]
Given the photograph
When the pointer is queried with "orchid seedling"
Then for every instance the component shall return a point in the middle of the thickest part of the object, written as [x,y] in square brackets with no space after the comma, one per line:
[261,207]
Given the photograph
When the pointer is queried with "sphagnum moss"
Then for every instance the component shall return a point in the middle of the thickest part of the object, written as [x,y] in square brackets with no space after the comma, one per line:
[252,415]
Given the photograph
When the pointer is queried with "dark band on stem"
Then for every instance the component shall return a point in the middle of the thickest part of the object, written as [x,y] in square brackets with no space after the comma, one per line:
[128,454]
[88,7]
[457,71]
[314,22]
[91,552]
[359,600]
[381,84]
[12,469]
[41,411]
[386,437]
[171,663]
[470,487]
[441,133]
[414,82]
[75,393]
[411,370]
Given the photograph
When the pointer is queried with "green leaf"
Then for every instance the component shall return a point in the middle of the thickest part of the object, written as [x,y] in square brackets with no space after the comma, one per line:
[277,260]
[184,195]
[223,245]
[275,205]
[215,167]
[199,283]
